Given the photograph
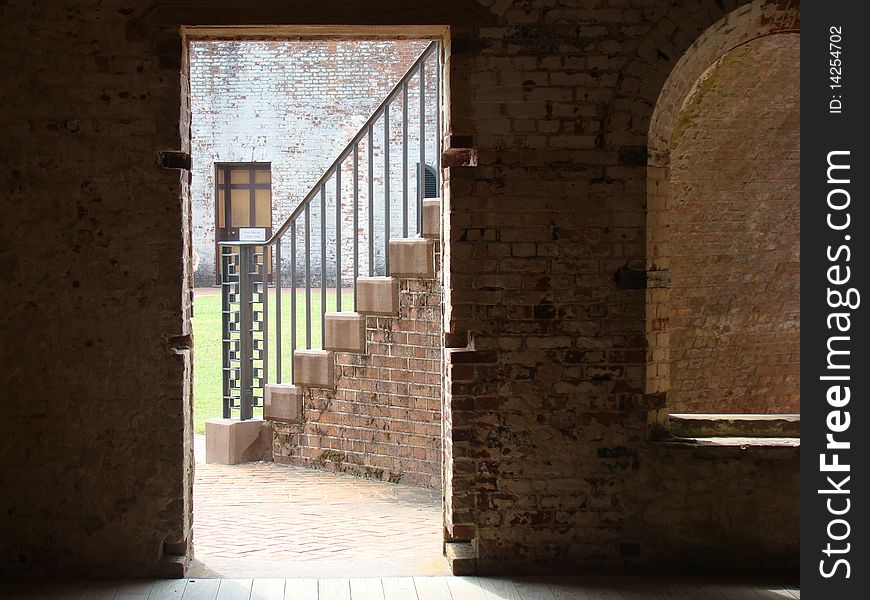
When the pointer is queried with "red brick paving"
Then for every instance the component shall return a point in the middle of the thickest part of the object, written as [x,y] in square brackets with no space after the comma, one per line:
[288,519]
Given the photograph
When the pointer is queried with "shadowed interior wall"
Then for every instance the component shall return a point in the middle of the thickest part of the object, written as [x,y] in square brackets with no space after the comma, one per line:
[735,235]
[549,464]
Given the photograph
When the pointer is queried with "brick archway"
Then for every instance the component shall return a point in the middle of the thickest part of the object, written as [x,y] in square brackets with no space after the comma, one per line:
[738,28]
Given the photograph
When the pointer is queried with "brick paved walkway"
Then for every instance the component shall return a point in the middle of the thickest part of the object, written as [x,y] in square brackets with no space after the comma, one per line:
[265,519]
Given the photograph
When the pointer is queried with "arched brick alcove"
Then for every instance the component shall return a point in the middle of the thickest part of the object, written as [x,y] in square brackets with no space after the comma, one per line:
[722,321]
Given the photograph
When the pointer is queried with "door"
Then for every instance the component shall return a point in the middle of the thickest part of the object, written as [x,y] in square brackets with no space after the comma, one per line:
[243,205]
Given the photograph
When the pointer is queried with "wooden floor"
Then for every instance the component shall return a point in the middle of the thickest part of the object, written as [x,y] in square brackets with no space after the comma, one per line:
[403,588]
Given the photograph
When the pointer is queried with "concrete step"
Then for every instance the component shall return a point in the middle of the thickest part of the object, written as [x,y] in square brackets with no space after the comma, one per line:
[735,425]
[314,368]
[432,218]
[282,402]
[412,258]
[345,332]
[377,296]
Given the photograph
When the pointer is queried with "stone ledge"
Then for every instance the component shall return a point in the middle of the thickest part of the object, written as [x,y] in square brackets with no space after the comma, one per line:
[377,296]
[314,368]
[345,332]
[229,441]
[283,402]
[735,425]
[412,258]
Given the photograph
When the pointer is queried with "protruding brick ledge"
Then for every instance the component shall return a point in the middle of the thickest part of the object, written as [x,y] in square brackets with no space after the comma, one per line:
[432,218]
[314,368]
[345,332]
[377,296]
[735,425]
[283,402]
[412,258]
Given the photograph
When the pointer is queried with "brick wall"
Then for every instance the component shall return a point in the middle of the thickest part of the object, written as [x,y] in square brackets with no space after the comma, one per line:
[295,105]
[383,421]
[548,460]
[735,235]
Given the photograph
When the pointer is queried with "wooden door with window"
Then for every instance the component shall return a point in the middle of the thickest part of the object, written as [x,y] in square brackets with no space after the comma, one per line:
[243,205]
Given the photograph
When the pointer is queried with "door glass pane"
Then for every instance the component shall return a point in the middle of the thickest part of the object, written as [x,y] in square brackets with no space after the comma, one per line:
[221,209]
[263,176]
[240,203]
[240,175]
[263,208]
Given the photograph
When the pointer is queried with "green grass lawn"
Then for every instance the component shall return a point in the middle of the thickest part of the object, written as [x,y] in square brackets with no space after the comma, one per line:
[207,344]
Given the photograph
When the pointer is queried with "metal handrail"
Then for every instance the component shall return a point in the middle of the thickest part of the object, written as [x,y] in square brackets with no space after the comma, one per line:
[348,149]
[246,266]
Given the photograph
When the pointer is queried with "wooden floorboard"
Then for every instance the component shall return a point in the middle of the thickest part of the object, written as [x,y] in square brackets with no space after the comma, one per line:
[334,589]
[399,588]
[431,588]
[366,588]
[267,589]
[402,588]
[300,589]
[499,588]
[168,589]
[465,588]
[235,589]
[201,589]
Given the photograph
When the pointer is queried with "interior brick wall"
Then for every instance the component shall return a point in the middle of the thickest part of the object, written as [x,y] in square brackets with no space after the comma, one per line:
[735,235]
[383,421]
[549,463]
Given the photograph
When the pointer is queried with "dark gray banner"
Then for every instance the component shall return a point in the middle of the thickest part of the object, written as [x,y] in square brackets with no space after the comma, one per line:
[835,269]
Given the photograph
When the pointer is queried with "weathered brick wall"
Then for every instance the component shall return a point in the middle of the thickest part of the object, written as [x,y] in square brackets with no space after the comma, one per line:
[548,462]
[735,235]
[383,421]
[296,105]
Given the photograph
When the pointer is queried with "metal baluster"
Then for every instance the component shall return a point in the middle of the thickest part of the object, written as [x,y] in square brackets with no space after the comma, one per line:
[277,310]
[322,262]
[371,201]
[246,326]
[338,237]
[355,220]
[421,193]
[405,159]
[308,275]
[292,300]
[263,269]
[437,119]
[387,189]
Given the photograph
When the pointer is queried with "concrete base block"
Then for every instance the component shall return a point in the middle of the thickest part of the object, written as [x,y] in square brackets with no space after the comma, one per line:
[461,557]
[412,257]
[314,368]
[345,332]
[283,402]
[377,296]
[432,218]
[229,442]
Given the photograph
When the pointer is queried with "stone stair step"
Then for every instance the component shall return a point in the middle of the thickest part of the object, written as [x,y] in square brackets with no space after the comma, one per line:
[282,402]
[345,332]
[432,218]
[412,258]
[377,296]
[314,368]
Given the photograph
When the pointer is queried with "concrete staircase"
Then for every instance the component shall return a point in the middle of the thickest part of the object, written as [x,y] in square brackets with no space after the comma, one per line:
[410,258]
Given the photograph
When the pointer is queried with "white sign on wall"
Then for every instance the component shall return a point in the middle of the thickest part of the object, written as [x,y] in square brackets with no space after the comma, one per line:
[252,234]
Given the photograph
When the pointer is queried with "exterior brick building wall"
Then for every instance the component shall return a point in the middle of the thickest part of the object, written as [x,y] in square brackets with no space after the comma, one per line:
[735,235]
[550,462]
[295,105]
[383,421]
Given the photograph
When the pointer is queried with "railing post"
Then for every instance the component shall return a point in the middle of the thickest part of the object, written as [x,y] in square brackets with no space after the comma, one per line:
[246,333]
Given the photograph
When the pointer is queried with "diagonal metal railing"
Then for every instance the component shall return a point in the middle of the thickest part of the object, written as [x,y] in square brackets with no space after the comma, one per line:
[315,251]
